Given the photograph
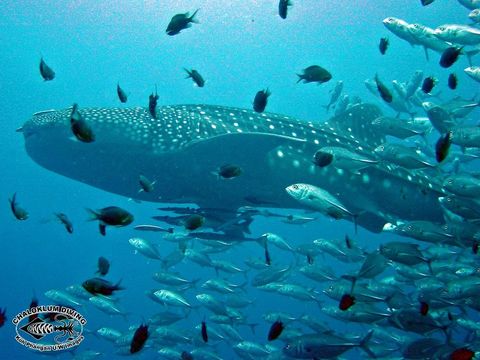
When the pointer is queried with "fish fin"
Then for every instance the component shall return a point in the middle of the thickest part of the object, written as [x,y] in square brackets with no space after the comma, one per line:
[192,18]
[188,72]
[12,200]
[252,327]
[351,278]
[102,228]
[364,344]
[92,214]
[471,54]
[117,285]
[426,53]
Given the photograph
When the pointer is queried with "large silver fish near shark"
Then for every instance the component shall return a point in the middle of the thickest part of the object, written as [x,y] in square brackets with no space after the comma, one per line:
[186,143]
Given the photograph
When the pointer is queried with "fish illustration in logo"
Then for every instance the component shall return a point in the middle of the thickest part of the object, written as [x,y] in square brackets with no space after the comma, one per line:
[38,328]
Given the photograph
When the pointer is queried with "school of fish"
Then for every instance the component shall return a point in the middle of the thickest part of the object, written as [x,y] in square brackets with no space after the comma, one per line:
[414,297]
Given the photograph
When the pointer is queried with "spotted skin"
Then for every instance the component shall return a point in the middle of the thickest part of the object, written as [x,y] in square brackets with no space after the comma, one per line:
[187,143]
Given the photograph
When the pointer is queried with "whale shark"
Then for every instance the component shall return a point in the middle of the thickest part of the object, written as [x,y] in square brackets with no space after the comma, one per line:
[183,147]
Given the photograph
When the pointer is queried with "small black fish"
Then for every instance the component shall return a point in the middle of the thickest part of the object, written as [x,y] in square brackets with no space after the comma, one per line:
[442,146]
[180,22]
[229,171]
[196,77]
[452,81]
[348,242]
[3,316]
[310,259]
[424,308]
[475,247]
[145,184]
[322,159]
[46,71]
[112,216]
[18,212]
[100,286]
[275,330]
[79,126]
[186,355]
[449,56]
[33,303]
[383,46]
[204,332]
[139,338]
[428,84]
[152,104]
[261,99]
[462,354]
[268,260]
[346,302]
[65,221]
[385,94]
[103,266]
[314,73]
[426,2]
[193,222]
[122,95]
[283,8]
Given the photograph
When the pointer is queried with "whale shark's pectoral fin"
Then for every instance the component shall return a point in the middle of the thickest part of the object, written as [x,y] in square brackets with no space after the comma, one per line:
[270,140]
[241,144]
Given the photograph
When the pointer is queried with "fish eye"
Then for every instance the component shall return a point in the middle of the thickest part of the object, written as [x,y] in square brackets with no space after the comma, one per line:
[295,187]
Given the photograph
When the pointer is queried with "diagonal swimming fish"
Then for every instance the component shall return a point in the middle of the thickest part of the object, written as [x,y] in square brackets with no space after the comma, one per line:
[185,143]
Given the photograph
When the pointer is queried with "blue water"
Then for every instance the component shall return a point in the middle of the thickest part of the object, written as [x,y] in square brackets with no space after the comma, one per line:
[239,47]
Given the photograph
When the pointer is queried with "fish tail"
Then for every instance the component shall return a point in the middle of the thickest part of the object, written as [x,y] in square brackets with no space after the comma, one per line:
[364,344]
[252,327]
[355,223]
[13,199]
[188,72]
[195,281]
[300,78]
[471,54]
[426,53]
[92,214]
[243,285]
[192,18]
[118,287]
[429,263]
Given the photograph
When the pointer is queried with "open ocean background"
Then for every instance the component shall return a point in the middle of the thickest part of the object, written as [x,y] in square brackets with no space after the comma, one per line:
[240,47]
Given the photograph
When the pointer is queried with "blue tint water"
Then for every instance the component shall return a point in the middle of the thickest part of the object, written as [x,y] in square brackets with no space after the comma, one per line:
[239,47]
